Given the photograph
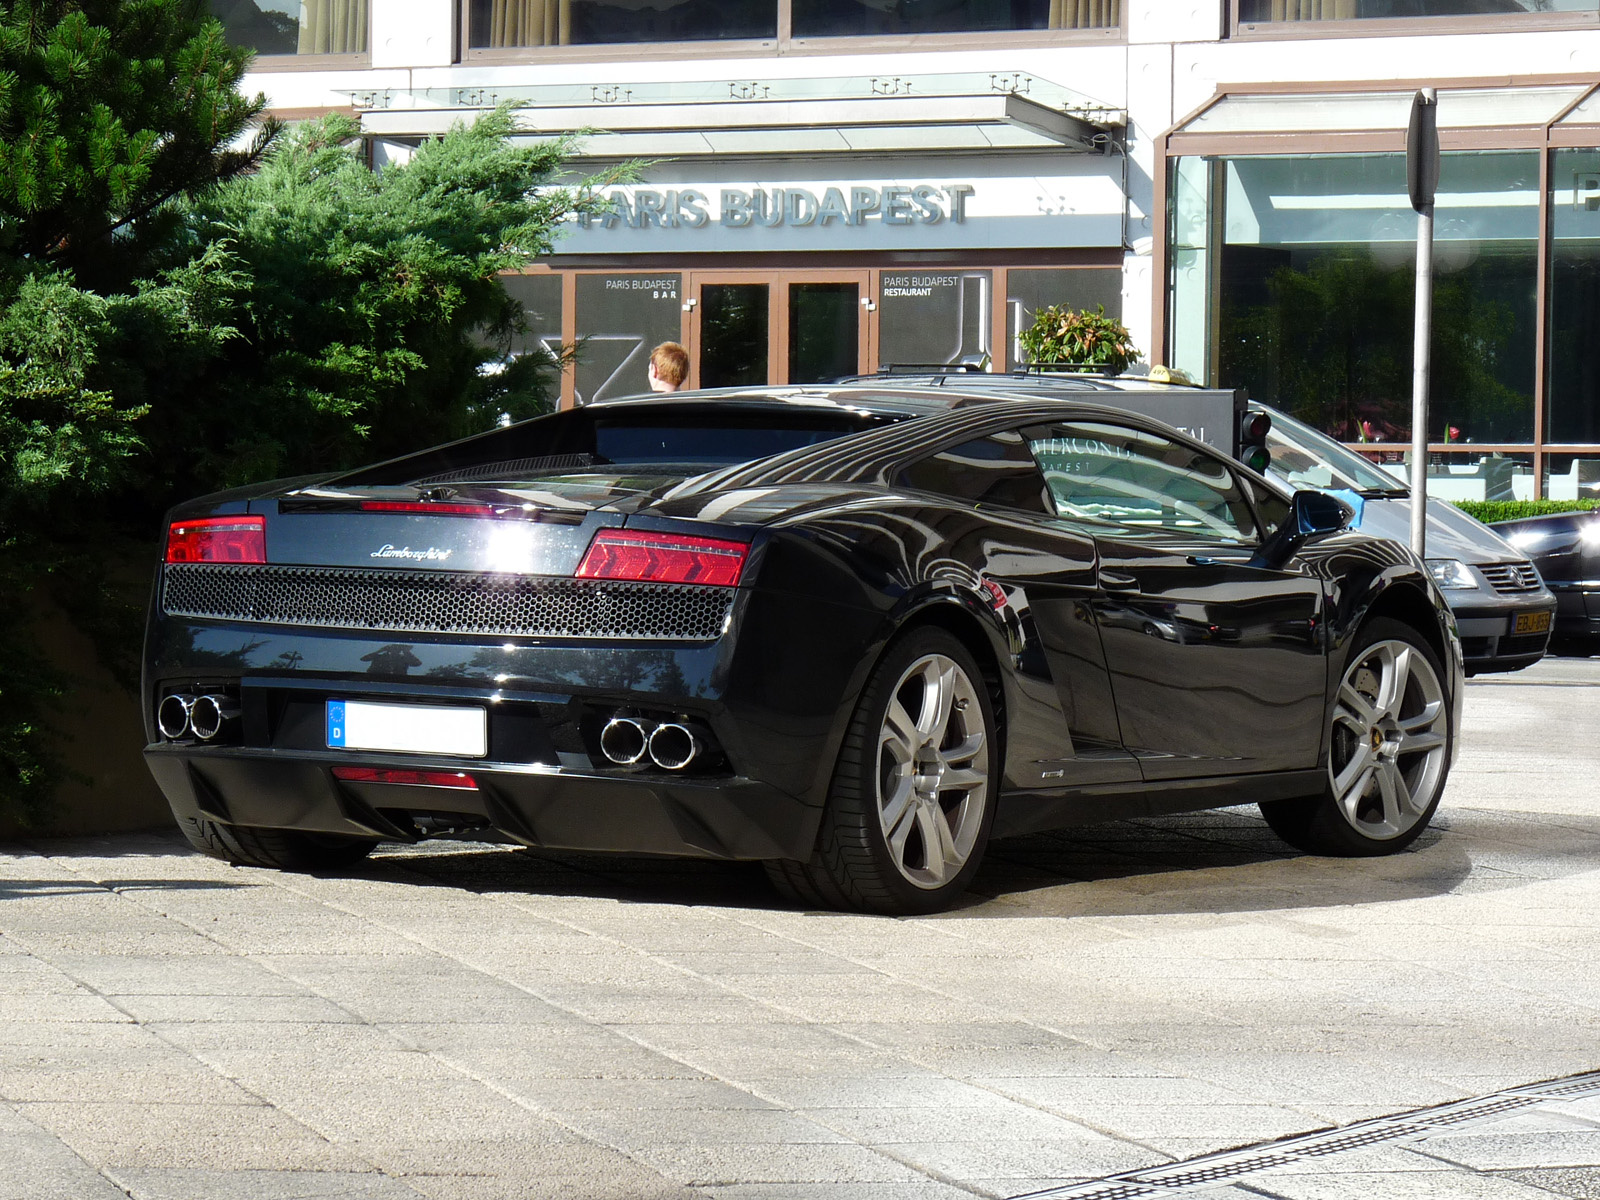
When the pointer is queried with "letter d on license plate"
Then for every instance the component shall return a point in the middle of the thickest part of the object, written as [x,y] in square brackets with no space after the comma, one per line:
[408,728]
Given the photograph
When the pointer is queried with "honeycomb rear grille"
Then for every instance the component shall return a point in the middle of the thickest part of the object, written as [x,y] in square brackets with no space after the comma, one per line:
[1511,576]
[445,602]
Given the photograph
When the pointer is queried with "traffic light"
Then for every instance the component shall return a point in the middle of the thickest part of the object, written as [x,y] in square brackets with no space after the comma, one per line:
[1253,428]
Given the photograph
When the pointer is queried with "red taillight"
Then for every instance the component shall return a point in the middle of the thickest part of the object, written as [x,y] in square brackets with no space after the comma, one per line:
[218,539]
[663,558]
[443,779]
[427,507]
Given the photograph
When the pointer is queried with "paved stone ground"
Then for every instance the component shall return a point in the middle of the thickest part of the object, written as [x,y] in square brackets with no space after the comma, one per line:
[468,1022]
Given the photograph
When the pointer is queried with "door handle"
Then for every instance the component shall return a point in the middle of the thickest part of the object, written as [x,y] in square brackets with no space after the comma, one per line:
[1113,582]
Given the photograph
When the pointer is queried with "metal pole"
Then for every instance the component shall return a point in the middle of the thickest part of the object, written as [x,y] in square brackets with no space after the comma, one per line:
[1422,181]
[1419,383]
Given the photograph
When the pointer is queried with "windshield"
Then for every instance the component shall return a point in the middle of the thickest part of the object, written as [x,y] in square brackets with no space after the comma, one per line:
[1304,458]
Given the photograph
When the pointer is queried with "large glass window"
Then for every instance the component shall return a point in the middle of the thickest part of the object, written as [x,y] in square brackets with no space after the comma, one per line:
[295,26]
[1081,287]
[833,18]
[1315,292]
[621,318]
[1269,11]
[1574,371]
[932,318]
[496,24]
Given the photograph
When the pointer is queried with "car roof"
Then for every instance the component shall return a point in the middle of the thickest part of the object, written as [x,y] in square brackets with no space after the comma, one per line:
[893,394]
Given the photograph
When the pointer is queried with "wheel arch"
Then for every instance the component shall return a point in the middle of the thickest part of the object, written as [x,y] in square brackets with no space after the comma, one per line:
[966,618]
[1408,603]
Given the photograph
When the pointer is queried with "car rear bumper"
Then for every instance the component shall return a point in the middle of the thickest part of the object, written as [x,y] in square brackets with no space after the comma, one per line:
[556,807]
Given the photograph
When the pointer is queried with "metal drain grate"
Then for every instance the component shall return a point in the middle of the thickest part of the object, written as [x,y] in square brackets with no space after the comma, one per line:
[1477,1110]
[1355,1141]
[1214,1170]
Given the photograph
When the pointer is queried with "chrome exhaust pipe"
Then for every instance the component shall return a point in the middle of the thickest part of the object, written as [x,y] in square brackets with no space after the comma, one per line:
[673,746]
[208,714]
[172,715]
[624,740]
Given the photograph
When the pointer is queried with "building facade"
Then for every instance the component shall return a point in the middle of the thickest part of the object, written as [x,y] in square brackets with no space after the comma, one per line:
[835,185]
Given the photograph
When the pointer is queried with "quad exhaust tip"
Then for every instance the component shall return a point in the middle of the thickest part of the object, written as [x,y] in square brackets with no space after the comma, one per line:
[208,714]
[624,740]
[673,746]
[172,715]
[628,741]
[181,715]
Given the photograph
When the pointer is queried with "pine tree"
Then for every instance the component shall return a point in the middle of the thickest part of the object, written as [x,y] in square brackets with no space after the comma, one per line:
[108,110]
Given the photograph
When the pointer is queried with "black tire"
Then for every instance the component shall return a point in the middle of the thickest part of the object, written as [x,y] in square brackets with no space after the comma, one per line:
[1389,745]
[283,849]
[920,764]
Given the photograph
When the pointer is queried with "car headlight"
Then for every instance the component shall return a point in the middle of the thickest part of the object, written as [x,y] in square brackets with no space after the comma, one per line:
[1451,574]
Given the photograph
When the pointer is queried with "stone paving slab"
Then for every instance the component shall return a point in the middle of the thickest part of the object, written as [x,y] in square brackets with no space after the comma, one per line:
[466,1021]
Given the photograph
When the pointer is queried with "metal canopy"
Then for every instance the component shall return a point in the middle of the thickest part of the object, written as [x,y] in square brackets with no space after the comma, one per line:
[1378,112]
[915,113]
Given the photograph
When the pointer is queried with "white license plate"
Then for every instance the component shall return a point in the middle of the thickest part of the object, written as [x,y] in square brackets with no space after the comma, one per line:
[408,728]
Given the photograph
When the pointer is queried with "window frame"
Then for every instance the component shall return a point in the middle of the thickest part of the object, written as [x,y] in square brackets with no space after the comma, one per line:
[785,44]
[1406,26]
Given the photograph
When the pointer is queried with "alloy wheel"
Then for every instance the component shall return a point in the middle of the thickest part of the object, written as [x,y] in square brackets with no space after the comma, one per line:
[1390,740]
[933,771]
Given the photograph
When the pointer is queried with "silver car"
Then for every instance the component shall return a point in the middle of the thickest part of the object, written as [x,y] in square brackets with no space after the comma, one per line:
[1502,608]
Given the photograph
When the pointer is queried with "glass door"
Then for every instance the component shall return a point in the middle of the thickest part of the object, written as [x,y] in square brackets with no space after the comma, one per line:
[748,328]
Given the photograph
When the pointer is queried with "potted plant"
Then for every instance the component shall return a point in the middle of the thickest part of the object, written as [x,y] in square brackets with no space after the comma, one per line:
[1062,336]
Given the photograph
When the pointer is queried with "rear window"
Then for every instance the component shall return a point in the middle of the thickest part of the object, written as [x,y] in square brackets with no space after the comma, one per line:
[708,441]
[657,439]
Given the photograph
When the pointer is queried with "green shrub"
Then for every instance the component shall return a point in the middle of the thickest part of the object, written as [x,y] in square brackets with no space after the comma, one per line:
[1490,511]
[1068,337]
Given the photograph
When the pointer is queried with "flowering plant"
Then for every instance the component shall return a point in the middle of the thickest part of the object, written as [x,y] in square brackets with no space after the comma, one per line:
[1078,338]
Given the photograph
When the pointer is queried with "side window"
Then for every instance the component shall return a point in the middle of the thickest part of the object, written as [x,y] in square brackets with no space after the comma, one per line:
[1271,509]
[989,470]
[1125,476]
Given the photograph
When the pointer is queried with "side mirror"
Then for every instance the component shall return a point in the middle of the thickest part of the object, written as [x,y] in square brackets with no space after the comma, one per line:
[1310,513]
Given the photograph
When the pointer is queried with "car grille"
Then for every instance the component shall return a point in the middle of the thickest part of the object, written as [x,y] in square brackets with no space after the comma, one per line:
[445,602]
[1511,576]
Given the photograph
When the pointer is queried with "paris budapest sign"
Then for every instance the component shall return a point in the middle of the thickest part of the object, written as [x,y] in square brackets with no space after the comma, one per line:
[1074,205]
[768,208]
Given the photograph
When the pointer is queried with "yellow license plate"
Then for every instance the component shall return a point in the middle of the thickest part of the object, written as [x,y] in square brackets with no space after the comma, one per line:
[1530,622]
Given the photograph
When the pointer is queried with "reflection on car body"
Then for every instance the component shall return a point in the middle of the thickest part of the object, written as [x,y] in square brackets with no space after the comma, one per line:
[865,631]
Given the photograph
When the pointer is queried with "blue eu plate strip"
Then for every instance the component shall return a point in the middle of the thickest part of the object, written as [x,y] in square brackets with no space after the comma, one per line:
[335,722]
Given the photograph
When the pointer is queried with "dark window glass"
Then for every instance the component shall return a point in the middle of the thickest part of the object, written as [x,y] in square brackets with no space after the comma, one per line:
[824,325]
[295,27]
[1574,375]
[621,318]
[540,297]
[992,470]
[1082,287]
[833,18]
[733,334]
[927,318]
[498,24]
[1317,289]
[1258,11]
[618,440]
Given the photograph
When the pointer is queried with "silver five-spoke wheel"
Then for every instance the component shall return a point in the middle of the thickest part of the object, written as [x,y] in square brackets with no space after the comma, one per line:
[933,771]
[913,791]
[1389,744]
[1390,739]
